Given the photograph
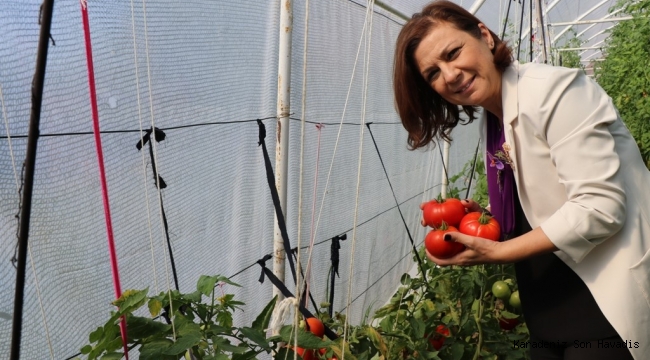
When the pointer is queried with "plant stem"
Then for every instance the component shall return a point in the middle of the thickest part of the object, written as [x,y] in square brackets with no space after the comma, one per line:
[477,317]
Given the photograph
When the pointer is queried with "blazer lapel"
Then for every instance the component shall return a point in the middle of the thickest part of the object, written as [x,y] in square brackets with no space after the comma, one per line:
[510,100]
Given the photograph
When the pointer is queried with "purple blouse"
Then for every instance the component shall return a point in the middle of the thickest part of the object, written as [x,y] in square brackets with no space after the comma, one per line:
[500,178]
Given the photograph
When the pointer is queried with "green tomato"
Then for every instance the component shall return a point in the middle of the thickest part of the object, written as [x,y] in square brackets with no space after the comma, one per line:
[514,301]
[501,290]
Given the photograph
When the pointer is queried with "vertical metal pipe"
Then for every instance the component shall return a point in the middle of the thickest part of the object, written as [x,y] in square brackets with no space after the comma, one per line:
[30,162]
[282,134]
[542,29]
[445,169]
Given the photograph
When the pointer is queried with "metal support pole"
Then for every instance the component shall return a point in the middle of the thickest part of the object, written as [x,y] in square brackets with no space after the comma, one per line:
[542,29]
[282,135]
[30,164]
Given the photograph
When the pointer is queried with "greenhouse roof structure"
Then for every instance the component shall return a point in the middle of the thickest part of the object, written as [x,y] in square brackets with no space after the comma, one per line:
[588,21]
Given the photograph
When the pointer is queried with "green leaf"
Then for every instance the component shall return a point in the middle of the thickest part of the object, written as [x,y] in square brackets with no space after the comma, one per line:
[224,279]
[263,319]
[155,350]
[306,339]
[222,344]
[182,344]
[131,300]
[257,336]
[418,327]
[113,356]
[155,306]
[377,340]
[96,335]
[457,351]
[86,349]
[140,327]
[206,284]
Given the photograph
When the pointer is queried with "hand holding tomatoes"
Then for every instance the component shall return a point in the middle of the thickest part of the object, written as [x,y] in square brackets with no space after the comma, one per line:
[450,221]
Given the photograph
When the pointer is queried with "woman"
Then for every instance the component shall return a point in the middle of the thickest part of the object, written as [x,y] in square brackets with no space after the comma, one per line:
[570,190]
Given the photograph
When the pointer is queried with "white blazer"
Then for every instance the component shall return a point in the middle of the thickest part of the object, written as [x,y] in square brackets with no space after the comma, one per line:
[580,177]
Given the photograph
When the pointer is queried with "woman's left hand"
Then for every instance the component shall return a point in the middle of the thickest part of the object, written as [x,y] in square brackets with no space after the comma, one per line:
[477,251]
[483,251]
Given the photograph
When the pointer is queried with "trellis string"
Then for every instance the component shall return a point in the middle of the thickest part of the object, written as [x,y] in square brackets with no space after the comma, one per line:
[369,17]
[144,163]
[157,165]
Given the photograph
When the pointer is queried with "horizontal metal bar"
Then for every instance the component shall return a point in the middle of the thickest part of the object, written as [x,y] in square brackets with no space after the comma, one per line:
[581,22]
[580,48]
[392,10]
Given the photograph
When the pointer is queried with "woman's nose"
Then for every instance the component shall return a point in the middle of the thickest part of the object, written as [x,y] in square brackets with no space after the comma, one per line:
[450,74]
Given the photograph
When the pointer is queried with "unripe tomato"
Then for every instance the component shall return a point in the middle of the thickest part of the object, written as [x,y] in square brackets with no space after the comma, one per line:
[481,225]
[514,301]
[438,247]
[315,326]
[449,211]
[501,290]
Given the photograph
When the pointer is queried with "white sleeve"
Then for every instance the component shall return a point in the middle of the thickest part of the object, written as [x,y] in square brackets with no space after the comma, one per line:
[577,115]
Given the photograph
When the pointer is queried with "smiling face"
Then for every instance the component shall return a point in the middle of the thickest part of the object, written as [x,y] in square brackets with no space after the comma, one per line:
[460,67]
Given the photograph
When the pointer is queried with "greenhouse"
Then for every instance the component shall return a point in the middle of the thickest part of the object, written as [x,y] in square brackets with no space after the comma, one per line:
[216,179]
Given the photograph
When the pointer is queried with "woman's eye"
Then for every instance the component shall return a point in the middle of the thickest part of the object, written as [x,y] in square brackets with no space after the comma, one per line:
[453,53]
[433,74]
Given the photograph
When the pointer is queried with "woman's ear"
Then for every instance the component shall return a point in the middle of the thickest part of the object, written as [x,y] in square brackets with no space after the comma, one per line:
[486,35]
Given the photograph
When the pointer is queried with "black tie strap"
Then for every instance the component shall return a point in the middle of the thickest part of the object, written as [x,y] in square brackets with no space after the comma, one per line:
[334,257]
[276,198]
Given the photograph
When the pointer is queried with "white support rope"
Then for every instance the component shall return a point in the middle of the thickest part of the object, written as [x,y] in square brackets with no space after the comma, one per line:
[303,117]
[338,135]
[369,17]
[157,165]
[29,245]
[144,162]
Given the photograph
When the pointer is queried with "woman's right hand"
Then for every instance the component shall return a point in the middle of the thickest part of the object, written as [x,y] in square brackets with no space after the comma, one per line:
[471,205]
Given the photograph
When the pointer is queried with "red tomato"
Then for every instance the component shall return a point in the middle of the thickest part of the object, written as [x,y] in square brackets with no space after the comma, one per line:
[481,225]
[306,354]
[450,211]
[323,351]
[438,247]
[508,324]
[442,332]
[315,326]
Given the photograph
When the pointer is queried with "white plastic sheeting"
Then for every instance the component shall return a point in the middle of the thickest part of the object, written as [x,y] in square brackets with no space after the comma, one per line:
[213,71]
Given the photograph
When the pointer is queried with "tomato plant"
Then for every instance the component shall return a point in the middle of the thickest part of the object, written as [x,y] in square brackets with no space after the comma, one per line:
[449,211]
[438,247]
[481,225]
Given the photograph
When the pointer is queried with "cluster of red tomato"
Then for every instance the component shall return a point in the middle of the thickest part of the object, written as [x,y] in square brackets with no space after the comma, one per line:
[450,215]
[316,327]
